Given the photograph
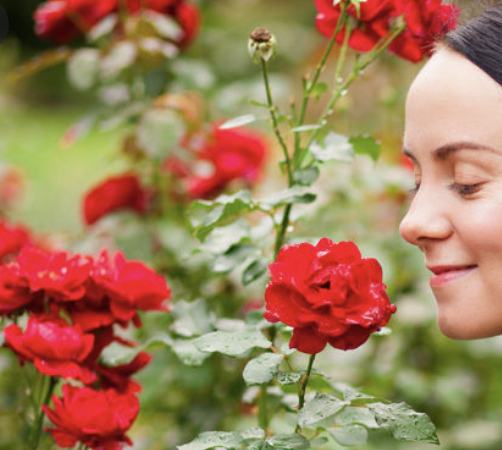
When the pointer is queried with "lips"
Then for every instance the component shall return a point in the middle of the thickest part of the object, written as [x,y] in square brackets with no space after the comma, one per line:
[442,275]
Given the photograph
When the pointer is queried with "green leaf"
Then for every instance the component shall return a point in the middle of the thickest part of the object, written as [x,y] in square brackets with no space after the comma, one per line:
[306,176]
[159,340]
[289,442]
[232,344]
[253,433]
[191,318]
[238,121]
[404,423]
[254,271]
[335,147]
[262,369]
[318,409]
[366,145]
[286,378]
[303,128]
[234,256]
[206,216]
[351,415]
[319,89]
[222,238]
[188,353]
[83,68]
[296,194]
[350,435]
[213,439]
[115,354]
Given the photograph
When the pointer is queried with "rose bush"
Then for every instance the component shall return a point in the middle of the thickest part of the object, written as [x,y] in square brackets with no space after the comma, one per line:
[328,294]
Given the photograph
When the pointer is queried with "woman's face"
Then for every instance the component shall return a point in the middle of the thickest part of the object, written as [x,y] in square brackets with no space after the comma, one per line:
[453,135]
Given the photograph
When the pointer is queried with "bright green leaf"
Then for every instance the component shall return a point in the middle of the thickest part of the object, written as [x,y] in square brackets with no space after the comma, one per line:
[286,378]
[191,318]
[262,369]
[188,353]
[213,439]
[232,343]
[366,145]
[318,409]
[289,442]
[319,89]
[404,423]
[254,271]
[296,194]
[357,415]
[206,216]
[306,176]
[234,256]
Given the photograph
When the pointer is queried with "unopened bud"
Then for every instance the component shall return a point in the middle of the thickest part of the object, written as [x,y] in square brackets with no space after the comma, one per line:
[262,45]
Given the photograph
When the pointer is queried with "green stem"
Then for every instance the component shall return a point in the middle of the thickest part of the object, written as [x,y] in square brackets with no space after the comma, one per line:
[263,410]
[322,64]
[47,387]
[303,388]
[341,90]
[275,123]
[281,235]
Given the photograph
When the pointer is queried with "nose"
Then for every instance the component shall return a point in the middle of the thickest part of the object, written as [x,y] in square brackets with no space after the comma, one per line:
[427,219]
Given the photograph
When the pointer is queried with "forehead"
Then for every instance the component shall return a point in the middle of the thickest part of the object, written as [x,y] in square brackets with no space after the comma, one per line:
[453,100]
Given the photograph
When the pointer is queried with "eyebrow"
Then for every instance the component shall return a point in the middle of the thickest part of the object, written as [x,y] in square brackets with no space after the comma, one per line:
[443,152]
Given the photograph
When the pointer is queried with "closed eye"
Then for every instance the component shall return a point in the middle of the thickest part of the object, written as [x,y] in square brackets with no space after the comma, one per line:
[464,190]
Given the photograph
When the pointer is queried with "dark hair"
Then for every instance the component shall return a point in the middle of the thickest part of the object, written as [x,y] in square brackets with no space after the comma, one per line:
[480,40]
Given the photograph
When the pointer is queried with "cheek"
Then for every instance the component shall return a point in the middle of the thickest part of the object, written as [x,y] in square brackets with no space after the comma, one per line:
[479,226]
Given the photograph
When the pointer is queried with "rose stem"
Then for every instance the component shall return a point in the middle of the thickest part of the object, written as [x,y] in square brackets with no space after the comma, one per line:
[47,387]
[303,388]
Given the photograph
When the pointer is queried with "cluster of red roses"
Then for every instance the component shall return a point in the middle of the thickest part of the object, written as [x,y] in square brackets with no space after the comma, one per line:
[63,20]
[73,304]
[225,156]
[328,294]
[425,21]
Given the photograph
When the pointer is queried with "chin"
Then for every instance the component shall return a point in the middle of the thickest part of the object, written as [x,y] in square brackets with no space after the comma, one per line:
[454,328]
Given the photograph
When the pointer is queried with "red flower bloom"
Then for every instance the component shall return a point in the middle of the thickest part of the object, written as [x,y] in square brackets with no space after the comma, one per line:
[14,291]
[372,23]
[130,285]
[62,20]
[328,294]
[55,348]
[99,419]
[119,377]
[12,239]
[115,193]
[426,20]
[57,274]
[225,156]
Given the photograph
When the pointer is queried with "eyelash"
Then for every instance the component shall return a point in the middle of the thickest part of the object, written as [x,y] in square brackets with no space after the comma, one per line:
[464,190]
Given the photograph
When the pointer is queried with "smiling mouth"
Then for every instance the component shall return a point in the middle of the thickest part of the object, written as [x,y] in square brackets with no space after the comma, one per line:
[442,275]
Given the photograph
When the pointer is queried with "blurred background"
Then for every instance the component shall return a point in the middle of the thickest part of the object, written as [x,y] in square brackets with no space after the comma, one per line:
[456,383]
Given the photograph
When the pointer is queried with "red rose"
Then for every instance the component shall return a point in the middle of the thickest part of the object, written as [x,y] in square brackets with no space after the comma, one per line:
[14,291]
[99,419]
[115,193]
[328,294]
[54,347]
[12,239]
[58,274]
[62,20]
[221,158]
[130,285]
[372,23]
[119,377]
[426,20]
